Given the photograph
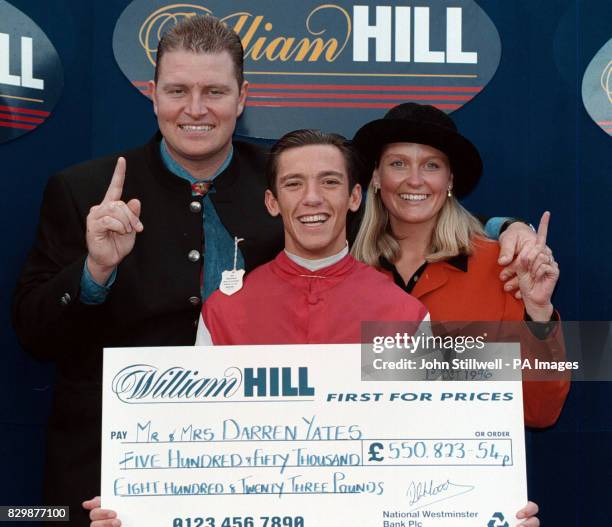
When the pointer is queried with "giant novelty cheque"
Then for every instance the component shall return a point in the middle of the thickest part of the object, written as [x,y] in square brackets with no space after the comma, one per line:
[290,436]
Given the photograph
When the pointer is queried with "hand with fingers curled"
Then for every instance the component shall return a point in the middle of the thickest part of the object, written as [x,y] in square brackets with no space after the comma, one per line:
[527,515]
[111,228]
[100,517]
[537,273]
[511,242]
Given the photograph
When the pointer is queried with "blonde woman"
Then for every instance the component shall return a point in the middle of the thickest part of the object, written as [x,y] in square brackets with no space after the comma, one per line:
[415,229]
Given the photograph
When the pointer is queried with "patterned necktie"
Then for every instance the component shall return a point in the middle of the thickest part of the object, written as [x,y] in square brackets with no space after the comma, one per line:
[201,188]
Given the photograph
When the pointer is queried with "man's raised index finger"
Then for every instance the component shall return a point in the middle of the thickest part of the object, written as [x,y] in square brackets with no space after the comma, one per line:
[543,229]
[115,189]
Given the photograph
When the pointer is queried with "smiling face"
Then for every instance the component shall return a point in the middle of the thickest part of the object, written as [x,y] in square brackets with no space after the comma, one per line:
[313,198]
[197,100]
[414,180]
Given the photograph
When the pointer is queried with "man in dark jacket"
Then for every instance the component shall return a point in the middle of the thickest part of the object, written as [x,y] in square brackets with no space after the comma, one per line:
[126,249]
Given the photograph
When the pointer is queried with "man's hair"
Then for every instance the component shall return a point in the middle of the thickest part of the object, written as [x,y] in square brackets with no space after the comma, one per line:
[203,34]
[308,137]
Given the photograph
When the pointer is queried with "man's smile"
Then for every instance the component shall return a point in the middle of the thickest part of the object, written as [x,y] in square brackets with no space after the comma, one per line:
[313,219]
[196,127]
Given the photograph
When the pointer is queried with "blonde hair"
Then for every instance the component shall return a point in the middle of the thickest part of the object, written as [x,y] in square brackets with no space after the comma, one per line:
[453,234]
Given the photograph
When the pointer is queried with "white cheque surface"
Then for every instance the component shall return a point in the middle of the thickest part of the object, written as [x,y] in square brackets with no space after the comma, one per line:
[289,436]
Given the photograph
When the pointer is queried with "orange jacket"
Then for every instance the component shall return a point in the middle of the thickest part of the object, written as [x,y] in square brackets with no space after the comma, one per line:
[451,293]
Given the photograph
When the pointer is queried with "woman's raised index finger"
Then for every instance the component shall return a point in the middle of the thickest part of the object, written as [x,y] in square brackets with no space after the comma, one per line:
[543,229]
[115,189]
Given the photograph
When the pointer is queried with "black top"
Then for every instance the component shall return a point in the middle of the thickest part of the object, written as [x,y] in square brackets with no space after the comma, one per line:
[460,262]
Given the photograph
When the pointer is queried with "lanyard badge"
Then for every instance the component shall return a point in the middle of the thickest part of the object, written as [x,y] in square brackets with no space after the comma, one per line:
[231,281]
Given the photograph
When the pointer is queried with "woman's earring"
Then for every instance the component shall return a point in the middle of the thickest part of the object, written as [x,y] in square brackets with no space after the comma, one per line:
[376,187]
[449,193]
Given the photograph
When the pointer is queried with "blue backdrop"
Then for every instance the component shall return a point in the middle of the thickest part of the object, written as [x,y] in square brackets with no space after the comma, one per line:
[541,151]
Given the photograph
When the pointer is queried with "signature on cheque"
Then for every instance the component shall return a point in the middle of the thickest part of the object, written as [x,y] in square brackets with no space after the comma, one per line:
[428,492]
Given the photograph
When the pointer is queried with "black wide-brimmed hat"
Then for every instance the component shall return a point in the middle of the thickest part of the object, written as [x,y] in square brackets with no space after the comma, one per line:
[426,125]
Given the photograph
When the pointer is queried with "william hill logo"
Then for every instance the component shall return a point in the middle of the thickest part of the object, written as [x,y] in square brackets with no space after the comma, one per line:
[148,384]
[31,78]
[331,65]
[274,382]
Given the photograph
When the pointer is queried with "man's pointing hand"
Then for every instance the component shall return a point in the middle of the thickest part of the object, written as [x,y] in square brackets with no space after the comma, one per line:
[111,228]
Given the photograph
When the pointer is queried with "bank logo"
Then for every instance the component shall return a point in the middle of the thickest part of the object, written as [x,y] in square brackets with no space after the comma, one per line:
[597,88]
[497,520]
[334,65]
[31,77]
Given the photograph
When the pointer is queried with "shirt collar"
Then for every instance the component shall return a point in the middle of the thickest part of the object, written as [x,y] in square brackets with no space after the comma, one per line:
[459,262]
[315,265]
[181,172]
[303,279]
